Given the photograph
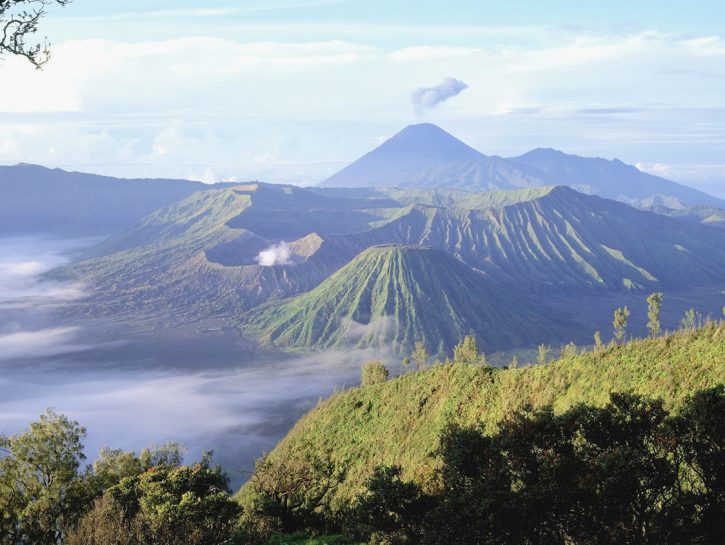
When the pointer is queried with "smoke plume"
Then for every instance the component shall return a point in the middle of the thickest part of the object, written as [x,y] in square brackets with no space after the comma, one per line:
[426,98]
[277,254]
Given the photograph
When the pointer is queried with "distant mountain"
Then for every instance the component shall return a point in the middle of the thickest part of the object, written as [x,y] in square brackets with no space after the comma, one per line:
[425,156]
[224,251]
[35,199]
[393,296]
[707,215]
[611,179]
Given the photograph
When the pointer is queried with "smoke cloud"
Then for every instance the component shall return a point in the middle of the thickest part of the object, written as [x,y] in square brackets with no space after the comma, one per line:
[277,254]
[426,98]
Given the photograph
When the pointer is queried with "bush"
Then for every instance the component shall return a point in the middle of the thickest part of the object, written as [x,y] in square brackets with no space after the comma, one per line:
[628,472]
[374,372]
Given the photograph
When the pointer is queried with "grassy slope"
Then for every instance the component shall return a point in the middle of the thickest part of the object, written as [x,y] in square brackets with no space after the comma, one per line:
[399,421]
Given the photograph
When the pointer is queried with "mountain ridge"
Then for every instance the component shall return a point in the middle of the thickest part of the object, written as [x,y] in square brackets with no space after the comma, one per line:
[424,156]
[37,199]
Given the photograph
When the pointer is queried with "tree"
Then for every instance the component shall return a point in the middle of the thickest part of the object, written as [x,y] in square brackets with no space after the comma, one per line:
[654,307]
[41,489]
[621,317]
[514,362]
[19,21]
[543,354]
[598,344]
[391,509]
[568,350]
[467,352]
[164,454]
[420,355]
[114,465]
[374,372]
[406,364]
[291,491]
[700,431]
[689,320]
[165,505]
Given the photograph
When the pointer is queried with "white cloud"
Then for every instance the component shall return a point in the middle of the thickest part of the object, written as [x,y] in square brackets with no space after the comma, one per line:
[215,108]
[708,178]
[41,343]
[429,53]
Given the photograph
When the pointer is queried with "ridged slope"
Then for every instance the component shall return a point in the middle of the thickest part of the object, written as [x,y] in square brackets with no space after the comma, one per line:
[393,296]
[564,240]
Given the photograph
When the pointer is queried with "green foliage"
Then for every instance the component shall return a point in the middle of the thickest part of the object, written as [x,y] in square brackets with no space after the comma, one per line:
[691,320]
[467,352]
[621,317]
[40,484]
[406,364]
[113,465]
[47,498]
[290,492]
[627,472]
[165,505]
[301,538]
[420,356]
[373,372]
[391,508]
[398,423]
[598,344]
[568,350]
[654,307]
[543,354]
[165,454]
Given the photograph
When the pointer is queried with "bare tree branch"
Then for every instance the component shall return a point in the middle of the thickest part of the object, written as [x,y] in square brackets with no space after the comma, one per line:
[19,20]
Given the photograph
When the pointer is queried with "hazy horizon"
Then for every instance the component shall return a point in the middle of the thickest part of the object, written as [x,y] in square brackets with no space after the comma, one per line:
[292,91]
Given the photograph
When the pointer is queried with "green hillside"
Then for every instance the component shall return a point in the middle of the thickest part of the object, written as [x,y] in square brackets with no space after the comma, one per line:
[394,296]
[399,421]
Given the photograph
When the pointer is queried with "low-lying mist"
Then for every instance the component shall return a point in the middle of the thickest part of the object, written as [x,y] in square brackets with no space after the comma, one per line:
[125,391]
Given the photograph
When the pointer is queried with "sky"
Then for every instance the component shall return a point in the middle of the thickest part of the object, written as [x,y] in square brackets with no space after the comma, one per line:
[293,90]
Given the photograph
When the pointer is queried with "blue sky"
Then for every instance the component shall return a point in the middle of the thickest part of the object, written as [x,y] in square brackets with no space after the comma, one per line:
[291,90]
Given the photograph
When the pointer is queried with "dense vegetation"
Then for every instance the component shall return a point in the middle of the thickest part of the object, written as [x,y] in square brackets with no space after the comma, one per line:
[460,453]
[399,422]
[48,497]
[627,472]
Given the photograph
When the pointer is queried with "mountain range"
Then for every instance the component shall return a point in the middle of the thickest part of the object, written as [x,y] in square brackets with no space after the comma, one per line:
[223,252]
[36,199]
[413,242]
[425,155]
